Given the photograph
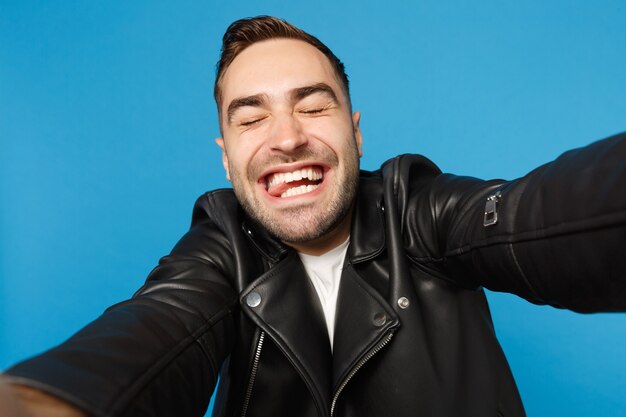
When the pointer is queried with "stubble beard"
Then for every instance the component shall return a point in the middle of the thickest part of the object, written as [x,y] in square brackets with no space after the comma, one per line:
[303,223]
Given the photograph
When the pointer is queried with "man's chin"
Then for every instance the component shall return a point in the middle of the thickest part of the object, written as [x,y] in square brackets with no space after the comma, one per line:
[305,225]
[297,231]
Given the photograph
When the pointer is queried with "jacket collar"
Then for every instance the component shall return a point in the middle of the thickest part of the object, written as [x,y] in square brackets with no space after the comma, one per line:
[367,234]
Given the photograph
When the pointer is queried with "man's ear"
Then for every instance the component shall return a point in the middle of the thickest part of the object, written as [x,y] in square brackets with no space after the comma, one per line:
[356,119]
[220,143]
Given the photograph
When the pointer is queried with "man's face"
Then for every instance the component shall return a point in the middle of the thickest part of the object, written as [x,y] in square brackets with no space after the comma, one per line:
[291,147]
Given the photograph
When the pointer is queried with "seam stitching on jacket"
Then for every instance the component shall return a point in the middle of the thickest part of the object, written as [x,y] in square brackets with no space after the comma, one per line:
[165,360]
[520,270]
[179,258]
[164,363]
[424,259]
[543,233]
[208,353]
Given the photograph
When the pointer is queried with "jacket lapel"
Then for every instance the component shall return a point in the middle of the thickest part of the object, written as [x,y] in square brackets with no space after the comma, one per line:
[283,303]
[362,320]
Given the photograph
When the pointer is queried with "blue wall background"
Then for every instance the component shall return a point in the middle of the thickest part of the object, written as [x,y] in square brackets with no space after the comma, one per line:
[107,128]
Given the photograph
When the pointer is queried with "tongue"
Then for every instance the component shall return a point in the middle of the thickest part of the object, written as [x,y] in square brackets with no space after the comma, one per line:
[277,190]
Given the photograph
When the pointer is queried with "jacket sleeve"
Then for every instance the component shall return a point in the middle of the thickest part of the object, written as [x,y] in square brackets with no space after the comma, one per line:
[159,353]
[560,234]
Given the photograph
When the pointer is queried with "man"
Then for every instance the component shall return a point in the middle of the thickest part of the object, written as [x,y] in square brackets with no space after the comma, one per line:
[316,290]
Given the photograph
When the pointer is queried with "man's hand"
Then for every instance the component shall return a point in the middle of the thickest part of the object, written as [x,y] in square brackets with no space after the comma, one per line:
[22,401]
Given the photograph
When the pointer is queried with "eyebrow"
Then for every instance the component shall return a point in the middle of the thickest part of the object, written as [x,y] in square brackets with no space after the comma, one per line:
[298,94]
[254,101]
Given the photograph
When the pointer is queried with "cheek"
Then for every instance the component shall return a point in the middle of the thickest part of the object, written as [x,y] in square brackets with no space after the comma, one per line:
[337,137]
[245,163]
[239,153]
[329,127]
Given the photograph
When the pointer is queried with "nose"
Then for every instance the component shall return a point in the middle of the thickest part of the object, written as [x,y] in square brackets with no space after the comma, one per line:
[286,135]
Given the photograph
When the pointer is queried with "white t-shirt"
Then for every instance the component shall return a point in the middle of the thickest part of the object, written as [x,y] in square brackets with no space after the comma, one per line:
[325,274]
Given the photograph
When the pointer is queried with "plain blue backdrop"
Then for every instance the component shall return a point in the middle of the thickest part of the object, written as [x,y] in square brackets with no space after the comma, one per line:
[107,126]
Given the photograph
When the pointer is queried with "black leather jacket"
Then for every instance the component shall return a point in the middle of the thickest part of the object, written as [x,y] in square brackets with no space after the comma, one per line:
[413,333]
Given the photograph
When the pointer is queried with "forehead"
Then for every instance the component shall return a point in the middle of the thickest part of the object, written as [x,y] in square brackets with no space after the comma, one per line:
[274,67]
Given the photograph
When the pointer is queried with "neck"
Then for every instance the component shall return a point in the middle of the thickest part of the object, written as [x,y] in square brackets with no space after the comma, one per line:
[327,242]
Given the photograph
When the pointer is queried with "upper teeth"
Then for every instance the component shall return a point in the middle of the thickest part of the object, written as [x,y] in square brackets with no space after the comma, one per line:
[297,175]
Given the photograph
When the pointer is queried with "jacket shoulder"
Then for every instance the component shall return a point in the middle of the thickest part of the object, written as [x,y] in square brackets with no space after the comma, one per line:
[409,166]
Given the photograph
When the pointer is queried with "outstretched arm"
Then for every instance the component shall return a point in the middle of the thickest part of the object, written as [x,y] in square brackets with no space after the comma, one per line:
[555,236]
[23,401]
[158,353]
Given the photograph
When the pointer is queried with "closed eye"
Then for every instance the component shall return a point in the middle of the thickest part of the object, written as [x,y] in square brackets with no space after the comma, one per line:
[251,122]
[313,111]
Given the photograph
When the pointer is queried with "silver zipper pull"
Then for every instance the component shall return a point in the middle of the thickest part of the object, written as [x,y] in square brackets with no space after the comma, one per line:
[491,209]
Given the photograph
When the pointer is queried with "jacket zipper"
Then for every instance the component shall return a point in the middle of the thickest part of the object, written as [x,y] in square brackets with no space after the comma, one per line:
[491,209]
[359,365]
[255,367]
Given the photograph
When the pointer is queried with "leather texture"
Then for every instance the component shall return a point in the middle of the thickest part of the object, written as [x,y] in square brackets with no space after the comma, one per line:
[232,300]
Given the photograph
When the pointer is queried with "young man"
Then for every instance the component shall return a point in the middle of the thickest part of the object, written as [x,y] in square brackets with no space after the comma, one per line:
[315,289]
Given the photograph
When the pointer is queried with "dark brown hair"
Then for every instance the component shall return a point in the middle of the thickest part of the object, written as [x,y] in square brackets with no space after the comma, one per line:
[245,32]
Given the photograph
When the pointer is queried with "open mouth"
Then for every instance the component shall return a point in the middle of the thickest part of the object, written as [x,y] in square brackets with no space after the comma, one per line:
[296,182]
